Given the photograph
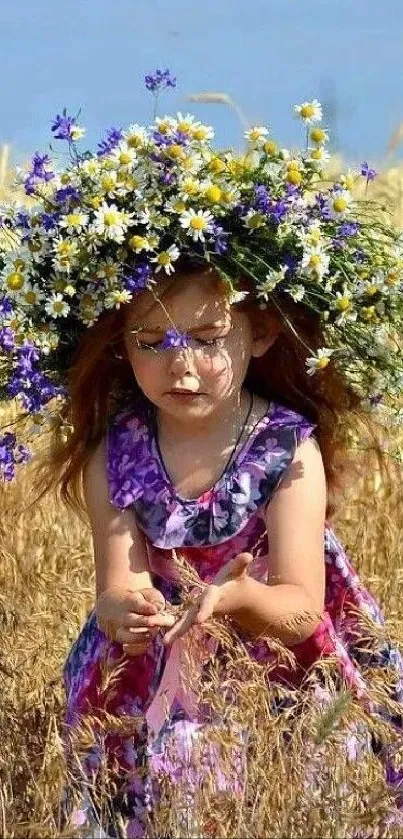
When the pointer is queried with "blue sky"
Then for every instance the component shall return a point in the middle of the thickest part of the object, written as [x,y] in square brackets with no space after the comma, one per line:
[266,54]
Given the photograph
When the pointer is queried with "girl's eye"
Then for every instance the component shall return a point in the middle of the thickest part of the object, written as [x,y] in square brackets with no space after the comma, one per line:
[204,342]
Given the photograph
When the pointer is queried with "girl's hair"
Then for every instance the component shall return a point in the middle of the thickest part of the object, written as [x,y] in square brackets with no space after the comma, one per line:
[101,383]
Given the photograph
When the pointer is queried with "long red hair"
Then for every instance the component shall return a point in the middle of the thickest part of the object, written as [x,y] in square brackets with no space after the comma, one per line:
[100,383]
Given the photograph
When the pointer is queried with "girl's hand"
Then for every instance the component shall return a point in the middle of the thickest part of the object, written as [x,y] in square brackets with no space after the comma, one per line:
[224,596]
[132,618]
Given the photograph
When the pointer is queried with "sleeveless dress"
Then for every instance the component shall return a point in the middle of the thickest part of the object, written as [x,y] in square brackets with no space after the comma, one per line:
[208,531]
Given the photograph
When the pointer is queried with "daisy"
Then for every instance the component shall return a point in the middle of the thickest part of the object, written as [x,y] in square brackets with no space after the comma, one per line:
[186,124]
[31,294]
[319,135]
[256,134]
[197,224]
[66,253]
[339,202]
[107,269]
[136,136]
[74,222]
[189,188]
[297,292]
[344,305]
[265,287]
[318,157]
[309,111]
[91,167]
[165,259]
[318,361]
[175,205]
[117,297]
[57,307]
[111,223]
[316,262]
[77,132]
[123,156]
[140,243]
[202,133]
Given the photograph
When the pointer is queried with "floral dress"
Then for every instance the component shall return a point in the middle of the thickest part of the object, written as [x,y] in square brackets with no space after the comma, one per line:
[208,531]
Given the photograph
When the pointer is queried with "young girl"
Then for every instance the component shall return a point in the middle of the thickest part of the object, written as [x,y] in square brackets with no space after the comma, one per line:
[200,434]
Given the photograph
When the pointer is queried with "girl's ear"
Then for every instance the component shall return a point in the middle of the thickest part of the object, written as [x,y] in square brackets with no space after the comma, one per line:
[266,328]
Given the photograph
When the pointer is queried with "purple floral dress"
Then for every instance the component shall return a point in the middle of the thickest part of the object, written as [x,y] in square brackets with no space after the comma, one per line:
[208,531]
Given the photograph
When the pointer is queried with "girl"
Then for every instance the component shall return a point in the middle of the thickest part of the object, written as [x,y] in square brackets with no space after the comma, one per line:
[210,460]
[210,455]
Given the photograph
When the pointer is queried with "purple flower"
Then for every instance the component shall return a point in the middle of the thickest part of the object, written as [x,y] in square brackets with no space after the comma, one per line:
[173,338]
[49,220]
[6,339]
[22,220]
[349,228]
[67,193]
[367,172]
[219,237]
[6,307]
[137,279]
[38,172]
[159,80]
[113,138]
[323,207]
[62,127]
[375,399]
[262,200]
[11,454]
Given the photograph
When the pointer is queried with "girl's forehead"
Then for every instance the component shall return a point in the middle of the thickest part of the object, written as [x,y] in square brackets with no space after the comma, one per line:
[189,305]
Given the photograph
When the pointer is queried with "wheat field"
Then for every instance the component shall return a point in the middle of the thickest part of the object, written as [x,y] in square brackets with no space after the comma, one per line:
[47,589]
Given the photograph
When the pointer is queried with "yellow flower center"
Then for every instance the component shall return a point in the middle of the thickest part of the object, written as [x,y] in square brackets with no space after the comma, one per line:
[314,237]
[198,223]
[227,196]
[339,205]
[318,135]
[108,183]
[176,152]
[255,134]
[34,247]
[58,306]
[200,133]
[65,249]
[348,182]
[270,147]
[294,176]
[65,178]
[190,187]
[343,303]
[163,127]
[179,206]
[315,260]
[111,218]
[184,126]
[216,165]
[73,219]
[164,258]
[372,289]
[307,111]
[96,202]
[317,154]
[15,281]
[392,278]
[134,141]
[213,193]
[59,285]
[369,313]
[125,158]
[30,297]
[87,300]
[322,362]
[138,243]
[19,264]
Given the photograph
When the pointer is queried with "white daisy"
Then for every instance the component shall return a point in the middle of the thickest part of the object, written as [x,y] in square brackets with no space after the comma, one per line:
[57,307]
[189,188]
[309,111]
[266,286]
[165,259]
[31,295]
[117,297]
[66,254]
[315,261]
[197,224]
[136,136]
[344,305]
[111,223]
[91,167]
[318,361]
[202,133]
[338,203]
[256,134]
[297,292]
[123,156]
[186,124]
[318,157]
[74,222]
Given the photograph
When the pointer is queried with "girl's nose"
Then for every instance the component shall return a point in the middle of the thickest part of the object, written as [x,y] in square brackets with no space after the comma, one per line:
[181,361]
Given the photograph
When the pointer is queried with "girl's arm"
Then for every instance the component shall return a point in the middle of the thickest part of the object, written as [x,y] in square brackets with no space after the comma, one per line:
[290,607]
[120,553]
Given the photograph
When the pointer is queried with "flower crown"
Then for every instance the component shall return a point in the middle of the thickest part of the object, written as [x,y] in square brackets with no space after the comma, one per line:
[115,221]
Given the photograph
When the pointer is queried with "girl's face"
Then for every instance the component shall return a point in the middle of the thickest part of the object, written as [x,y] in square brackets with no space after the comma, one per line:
[212,369]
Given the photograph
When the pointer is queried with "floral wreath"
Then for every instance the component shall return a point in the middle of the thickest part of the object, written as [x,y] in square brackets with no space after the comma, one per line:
[113,222]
